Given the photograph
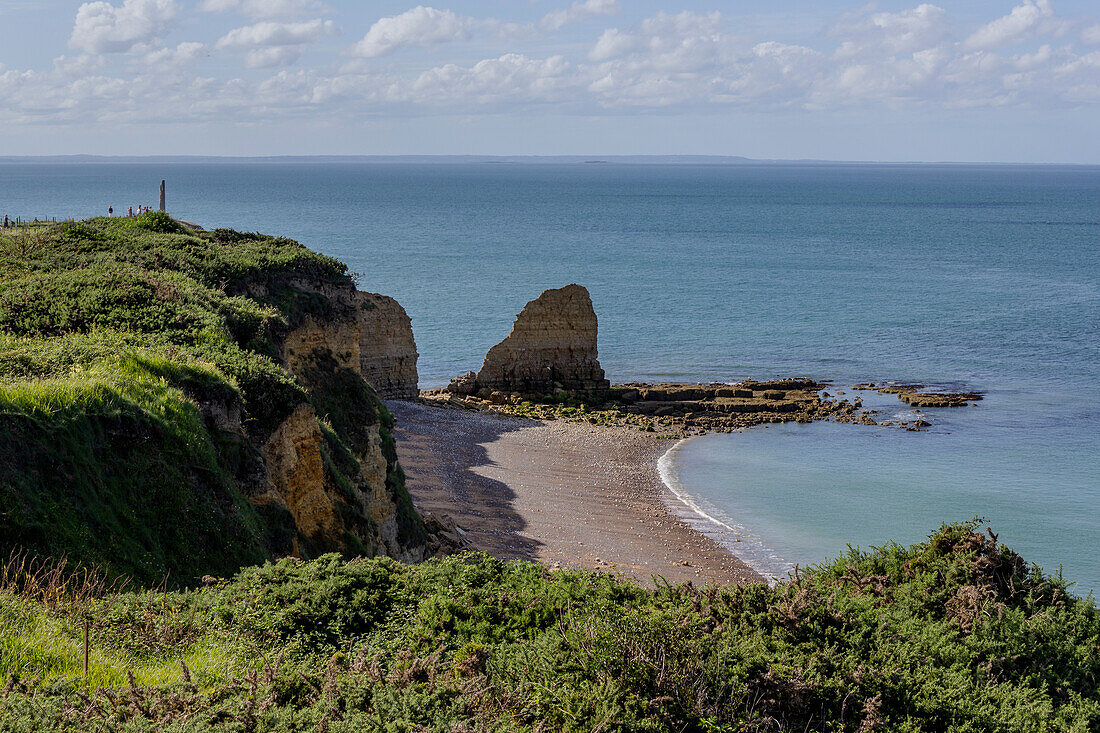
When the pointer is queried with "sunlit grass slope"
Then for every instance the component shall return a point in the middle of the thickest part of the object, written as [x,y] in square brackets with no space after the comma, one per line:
[113,333]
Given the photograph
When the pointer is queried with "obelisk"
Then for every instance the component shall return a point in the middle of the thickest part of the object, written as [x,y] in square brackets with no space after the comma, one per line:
[162,195]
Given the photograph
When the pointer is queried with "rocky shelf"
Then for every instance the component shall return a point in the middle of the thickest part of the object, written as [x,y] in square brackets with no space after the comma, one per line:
[673,408]
[917,395]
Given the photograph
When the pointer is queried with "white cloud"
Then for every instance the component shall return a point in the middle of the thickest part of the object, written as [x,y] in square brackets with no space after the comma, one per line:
[266,58]
[182,54]
[262,8]
[1091,35]
[577,12]
[919,57]
[662,34]
[421,26]
[1017,25]
[907,31]
[277,34]
[84,64]
[269,44]
[104,28]
[511,77]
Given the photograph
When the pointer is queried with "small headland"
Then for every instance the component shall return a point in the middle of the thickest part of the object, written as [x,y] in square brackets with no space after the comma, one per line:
[176,402]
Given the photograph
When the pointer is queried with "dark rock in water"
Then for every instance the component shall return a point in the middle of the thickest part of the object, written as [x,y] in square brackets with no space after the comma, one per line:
[938,399]
[917,396]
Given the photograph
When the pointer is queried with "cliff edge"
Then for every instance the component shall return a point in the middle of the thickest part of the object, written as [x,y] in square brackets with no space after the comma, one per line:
[387,350]
[183,403]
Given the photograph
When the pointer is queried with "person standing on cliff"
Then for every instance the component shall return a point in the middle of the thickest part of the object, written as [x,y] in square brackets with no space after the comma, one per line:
[110,211]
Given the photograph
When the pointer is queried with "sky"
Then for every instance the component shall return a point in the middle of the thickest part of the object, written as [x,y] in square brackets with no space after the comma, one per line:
[982,80]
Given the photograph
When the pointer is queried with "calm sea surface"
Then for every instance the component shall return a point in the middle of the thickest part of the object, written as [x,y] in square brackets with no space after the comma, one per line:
[983,277]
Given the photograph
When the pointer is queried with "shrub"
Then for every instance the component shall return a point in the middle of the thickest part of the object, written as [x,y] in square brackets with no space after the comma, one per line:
[876,640]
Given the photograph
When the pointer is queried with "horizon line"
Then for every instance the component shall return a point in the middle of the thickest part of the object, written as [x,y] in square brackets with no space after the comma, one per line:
[594,158]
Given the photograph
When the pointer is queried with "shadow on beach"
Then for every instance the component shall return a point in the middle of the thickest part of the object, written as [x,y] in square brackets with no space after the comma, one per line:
[439,450]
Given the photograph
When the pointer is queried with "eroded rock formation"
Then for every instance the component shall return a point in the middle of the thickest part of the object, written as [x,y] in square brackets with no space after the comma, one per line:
[552,345]
[297,472]
[342,488]
[387,350]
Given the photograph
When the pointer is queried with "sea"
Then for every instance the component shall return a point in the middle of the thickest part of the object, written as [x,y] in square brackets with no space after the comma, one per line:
[963,277]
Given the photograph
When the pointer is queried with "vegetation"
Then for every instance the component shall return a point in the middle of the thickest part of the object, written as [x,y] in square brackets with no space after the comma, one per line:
[953,634]
[120,339]
[576,407]
[123,342]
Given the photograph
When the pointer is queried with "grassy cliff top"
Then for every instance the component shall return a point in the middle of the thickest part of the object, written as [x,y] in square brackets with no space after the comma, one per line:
[79,299]
[119,338]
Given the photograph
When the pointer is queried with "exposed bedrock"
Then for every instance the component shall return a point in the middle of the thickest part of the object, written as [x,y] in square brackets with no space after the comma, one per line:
[343,488]
[552,345]
[387,350]
[919,395]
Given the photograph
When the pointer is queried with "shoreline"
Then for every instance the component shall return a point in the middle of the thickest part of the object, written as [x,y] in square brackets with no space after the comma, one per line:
[706,519]
[566,494]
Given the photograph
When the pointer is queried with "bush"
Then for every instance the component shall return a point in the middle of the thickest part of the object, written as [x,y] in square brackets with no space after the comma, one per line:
[114,332]
[953,634]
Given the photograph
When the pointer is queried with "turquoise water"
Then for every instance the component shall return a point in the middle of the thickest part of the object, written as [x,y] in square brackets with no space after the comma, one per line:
[988,277]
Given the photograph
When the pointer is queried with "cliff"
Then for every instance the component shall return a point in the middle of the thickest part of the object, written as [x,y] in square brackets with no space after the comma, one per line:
[387,350]
[183,403]
[552,345]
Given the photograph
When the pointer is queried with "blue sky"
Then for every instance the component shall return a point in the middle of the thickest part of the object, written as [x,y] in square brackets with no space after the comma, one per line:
[966,81]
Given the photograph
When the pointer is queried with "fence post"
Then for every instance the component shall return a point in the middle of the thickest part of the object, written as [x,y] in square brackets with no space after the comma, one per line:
[85,647]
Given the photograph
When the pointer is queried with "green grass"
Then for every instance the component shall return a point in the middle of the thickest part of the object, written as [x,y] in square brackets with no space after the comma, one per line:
[50,648]
[953,634]
[116,466]
[117,336]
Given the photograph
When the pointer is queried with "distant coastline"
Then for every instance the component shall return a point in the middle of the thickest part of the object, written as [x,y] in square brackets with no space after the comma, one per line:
[671,160]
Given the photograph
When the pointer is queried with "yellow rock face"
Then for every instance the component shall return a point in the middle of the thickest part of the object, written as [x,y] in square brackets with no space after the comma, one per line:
[387,350]
[297,471]
[553,341]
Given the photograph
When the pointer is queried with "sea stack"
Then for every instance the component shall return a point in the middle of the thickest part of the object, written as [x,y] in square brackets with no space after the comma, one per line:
[552,345]
[387,350]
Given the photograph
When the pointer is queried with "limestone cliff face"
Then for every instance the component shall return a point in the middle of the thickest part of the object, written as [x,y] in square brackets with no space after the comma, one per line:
[333,326]
[553,342]
[297,471]
[387,350]
[330,464]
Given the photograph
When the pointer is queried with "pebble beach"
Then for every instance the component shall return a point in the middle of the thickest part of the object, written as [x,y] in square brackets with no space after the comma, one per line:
[567,494]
